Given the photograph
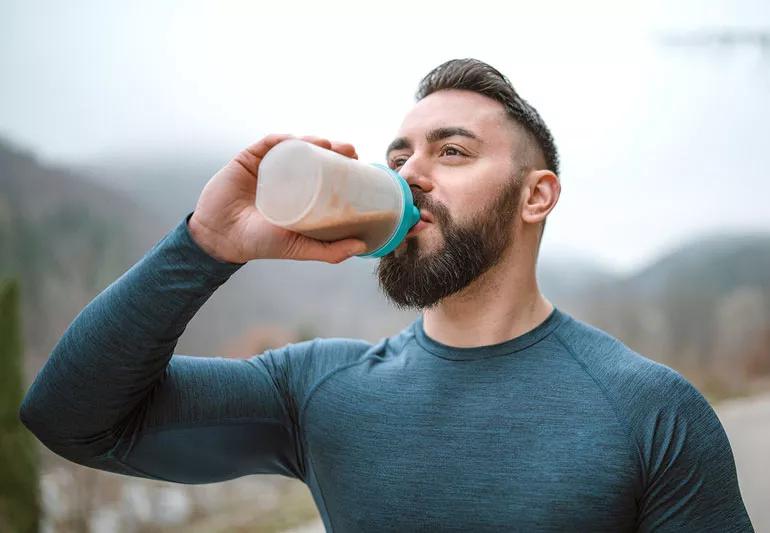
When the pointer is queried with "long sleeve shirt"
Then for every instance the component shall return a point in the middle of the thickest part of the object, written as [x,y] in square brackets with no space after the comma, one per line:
[561,428]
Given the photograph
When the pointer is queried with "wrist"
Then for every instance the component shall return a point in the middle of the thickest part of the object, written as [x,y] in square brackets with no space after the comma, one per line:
[207,241]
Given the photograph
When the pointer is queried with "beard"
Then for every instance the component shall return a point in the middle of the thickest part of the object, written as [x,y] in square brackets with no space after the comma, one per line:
[412,280]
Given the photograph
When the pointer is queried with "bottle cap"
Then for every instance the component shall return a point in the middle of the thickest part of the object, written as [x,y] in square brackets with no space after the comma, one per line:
[410,216]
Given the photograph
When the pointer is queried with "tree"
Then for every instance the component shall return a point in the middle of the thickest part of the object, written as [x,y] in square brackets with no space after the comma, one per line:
[19,502]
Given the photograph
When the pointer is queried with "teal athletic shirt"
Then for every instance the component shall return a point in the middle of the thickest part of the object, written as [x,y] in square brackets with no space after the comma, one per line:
[560,429]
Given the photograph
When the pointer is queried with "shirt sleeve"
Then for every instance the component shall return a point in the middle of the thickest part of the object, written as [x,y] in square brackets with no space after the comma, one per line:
[113,396]
[691,480]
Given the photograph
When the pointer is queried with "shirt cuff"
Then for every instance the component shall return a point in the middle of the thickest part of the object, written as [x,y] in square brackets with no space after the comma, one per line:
[191,251]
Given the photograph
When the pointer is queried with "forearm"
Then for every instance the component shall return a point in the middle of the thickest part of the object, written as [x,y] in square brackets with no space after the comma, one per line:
[116,350]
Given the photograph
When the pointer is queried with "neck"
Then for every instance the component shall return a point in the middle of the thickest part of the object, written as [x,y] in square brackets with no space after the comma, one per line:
[503,303]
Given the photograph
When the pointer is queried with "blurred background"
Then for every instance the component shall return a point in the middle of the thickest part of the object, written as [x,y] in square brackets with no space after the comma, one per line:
[114,115]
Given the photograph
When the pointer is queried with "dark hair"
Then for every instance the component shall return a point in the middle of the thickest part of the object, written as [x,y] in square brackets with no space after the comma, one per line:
[477,76]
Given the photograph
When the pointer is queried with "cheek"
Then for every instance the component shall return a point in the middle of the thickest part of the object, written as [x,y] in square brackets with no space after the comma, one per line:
[470,201]
[479,184]
[471,189]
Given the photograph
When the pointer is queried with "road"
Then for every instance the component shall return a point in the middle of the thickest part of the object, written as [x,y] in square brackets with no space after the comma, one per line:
[747,423]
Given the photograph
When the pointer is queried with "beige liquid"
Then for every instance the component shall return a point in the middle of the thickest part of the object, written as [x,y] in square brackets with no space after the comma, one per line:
[372,227]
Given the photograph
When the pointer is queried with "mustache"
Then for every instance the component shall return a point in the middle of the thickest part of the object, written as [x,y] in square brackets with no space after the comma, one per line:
[424,202]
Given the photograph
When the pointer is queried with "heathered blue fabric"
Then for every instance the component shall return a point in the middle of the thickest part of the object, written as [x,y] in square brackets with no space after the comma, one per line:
[563,428]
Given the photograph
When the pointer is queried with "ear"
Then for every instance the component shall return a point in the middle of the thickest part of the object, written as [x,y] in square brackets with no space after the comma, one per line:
[540,194]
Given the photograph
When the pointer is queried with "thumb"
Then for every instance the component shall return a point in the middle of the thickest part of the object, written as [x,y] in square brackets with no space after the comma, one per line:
[309,249]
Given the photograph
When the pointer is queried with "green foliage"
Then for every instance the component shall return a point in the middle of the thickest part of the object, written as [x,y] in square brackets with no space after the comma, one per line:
[19,507]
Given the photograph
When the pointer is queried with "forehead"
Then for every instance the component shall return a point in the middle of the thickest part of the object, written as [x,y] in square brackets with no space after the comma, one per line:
[455,108]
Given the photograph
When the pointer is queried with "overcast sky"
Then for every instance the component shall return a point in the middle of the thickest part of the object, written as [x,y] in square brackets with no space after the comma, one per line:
[659,143]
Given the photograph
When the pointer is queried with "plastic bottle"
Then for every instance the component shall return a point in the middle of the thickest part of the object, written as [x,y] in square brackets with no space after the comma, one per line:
[325,195]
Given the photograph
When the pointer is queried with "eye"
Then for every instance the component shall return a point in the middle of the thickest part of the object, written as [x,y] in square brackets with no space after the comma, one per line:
[452,151]
[398,161]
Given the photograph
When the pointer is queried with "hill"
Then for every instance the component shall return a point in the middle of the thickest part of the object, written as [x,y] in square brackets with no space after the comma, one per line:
[703,308]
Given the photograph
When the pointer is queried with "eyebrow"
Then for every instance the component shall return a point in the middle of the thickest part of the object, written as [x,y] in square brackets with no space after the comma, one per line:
[432,136]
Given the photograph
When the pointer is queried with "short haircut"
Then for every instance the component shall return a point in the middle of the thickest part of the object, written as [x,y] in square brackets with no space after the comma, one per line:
[469,74]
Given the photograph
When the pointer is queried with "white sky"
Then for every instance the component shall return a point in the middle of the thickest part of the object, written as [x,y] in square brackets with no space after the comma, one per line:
[658,143]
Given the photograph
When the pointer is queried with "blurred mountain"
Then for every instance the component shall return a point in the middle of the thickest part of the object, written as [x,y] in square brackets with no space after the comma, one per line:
[65,239]
[703,308]
[167,185]
[571,279]
[67,235]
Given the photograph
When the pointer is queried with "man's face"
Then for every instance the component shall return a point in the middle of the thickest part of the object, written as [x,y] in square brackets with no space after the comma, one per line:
[455,148]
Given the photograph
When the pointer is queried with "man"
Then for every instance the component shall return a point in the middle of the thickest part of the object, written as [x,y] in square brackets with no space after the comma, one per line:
[492,411]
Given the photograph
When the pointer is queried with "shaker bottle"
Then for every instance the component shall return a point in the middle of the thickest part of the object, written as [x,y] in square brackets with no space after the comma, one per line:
[325,195]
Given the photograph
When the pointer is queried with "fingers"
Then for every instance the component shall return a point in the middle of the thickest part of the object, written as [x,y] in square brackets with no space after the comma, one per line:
[318,141]
[261,147]
[307,249]
[345,149]
[251,156]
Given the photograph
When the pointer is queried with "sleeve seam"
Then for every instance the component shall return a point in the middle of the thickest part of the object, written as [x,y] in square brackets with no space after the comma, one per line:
[621,419]
[197,425]
[323,378]
[285,409]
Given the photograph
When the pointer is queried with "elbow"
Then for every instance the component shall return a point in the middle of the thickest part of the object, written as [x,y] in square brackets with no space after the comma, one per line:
[42,423]
[63,434]
[29,415]
[42,413]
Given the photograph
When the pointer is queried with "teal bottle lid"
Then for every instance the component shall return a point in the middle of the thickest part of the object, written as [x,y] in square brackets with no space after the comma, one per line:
[410,216]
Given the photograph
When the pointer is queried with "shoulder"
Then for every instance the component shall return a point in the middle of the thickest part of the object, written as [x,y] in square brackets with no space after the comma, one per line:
[687,479]
[666,416]
[296,368]
[315,357]
[302,364]
[333,353]
[632,380]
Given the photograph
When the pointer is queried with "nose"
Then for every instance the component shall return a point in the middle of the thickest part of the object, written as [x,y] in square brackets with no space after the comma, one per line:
[416,174]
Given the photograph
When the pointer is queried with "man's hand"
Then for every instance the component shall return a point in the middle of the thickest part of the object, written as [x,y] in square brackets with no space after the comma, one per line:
[227,225]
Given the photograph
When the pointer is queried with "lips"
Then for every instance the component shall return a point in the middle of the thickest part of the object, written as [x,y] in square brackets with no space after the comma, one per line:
[421,225]
[424,215]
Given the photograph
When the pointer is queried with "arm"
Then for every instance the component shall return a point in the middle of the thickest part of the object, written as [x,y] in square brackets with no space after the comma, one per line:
[112,395]
[692,483]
